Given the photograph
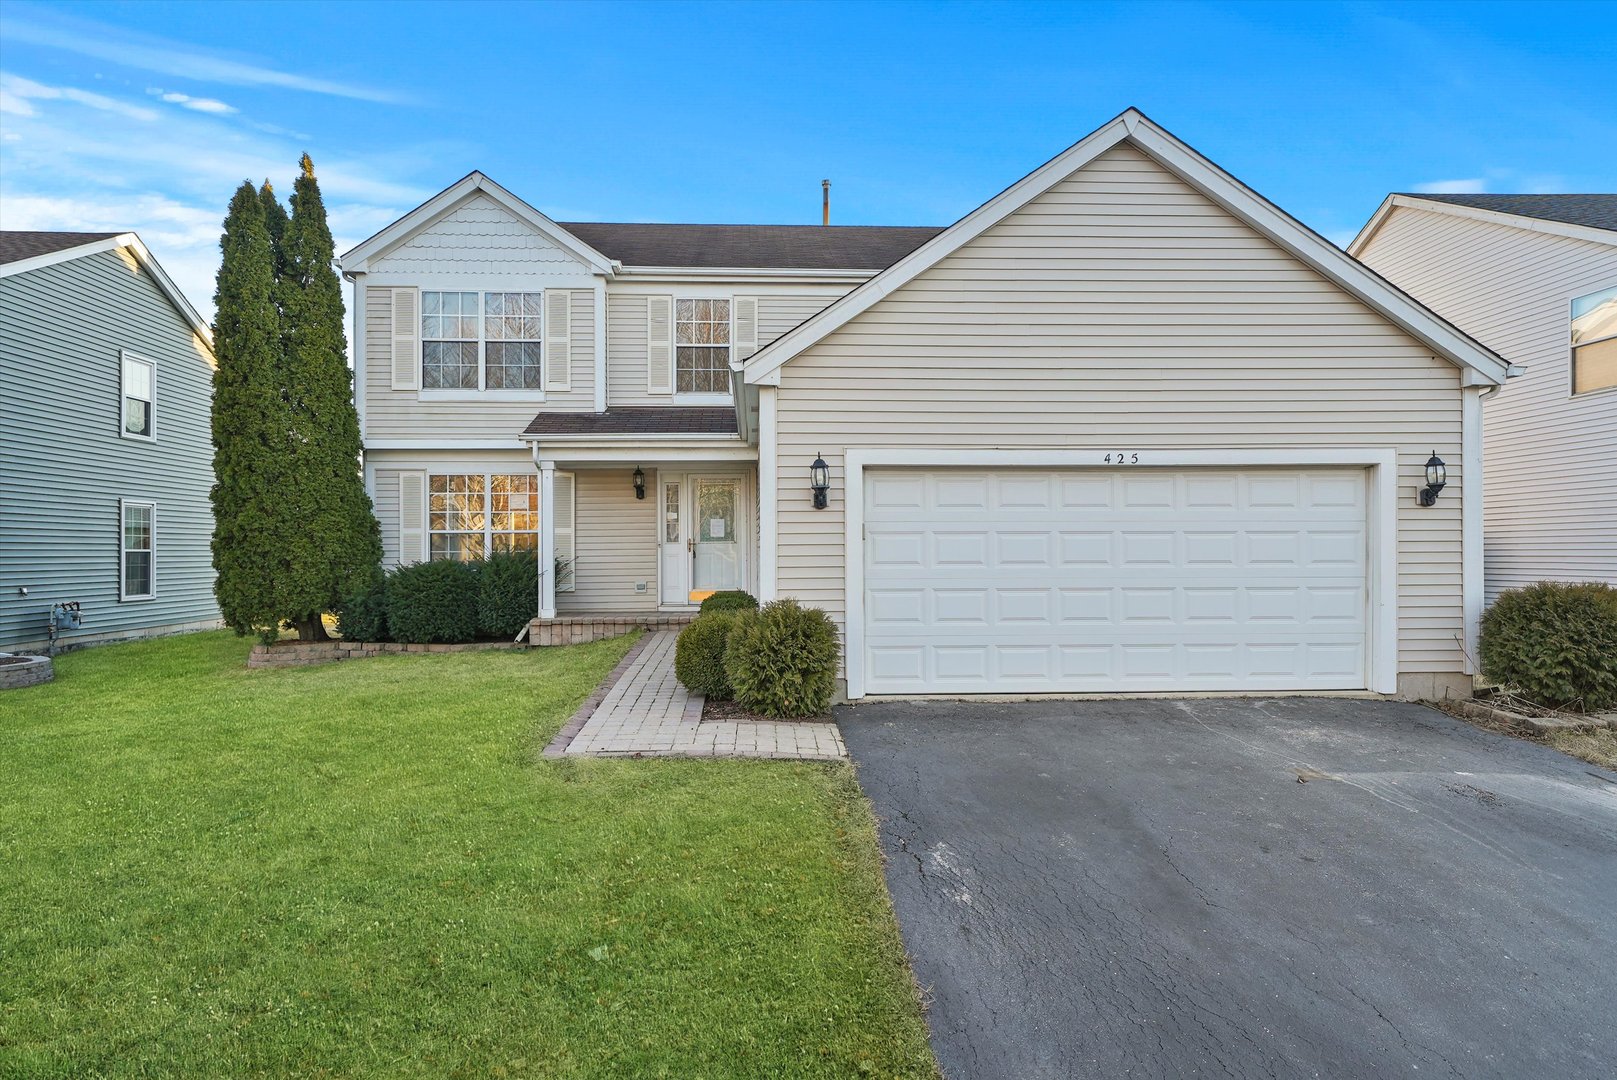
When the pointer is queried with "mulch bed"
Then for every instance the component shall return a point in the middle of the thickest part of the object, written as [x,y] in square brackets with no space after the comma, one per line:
[729,710]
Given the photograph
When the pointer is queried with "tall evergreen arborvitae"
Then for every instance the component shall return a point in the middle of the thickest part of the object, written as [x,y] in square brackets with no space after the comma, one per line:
[275,220]
[333,543]
[249,422]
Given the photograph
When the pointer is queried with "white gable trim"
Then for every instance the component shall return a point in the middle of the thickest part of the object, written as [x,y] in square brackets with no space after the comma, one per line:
[1481,364]
[1496,217]
[357,260]
[145,258]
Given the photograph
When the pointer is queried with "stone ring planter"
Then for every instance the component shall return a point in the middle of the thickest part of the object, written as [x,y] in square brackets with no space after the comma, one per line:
[20,671]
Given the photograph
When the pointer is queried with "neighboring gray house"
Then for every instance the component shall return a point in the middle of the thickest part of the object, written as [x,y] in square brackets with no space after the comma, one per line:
[1533,277]
[106,454]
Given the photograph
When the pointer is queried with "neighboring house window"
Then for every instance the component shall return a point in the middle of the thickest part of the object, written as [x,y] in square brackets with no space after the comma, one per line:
[137,550]
[139,396]
[487,341]
[702,346]
[471,516]
[1594,341]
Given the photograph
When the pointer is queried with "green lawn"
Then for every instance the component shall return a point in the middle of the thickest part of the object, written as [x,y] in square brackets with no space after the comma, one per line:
[362,869]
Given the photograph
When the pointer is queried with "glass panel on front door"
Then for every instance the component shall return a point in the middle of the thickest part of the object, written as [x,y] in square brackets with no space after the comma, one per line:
[718,560]
[670,513]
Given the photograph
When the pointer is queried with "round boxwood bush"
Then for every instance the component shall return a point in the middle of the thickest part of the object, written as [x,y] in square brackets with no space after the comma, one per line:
[730,600]
[699,655]
[782,659]
[362,615]
[1555,644]
[433,602]
[508,586]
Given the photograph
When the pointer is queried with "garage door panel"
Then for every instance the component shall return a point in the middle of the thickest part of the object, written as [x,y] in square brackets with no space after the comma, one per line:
[1021,581]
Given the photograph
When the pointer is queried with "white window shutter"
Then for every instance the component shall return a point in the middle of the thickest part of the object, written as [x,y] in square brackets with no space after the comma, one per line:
[660,345]
[406,339]
[566,553]
[558,339]
[746,328]
[412,518]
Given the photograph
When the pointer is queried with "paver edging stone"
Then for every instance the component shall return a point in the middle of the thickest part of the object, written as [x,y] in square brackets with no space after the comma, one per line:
[557,747]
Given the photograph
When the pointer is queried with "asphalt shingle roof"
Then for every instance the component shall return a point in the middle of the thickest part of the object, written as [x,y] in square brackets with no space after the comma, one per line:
[806,247]
[16,246]
[1593,211]
[653,420]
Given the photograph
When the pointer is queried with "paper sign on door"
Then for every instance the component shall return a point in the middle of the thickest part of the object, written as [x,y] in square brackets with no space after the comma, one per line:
[715,528]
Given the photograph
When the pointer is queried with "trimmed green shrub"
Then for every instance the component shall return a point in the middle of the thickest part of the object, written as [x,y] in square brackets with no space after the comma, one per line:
[362,615]
[1555,643]
[699,655]
[782,659]
[433,602]
[730,600]
[508,593]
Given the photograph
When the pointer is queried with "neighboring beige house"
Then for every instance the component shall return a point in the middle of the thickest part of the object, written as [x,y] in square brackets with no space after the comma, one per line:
[1533,277]
[1127,427]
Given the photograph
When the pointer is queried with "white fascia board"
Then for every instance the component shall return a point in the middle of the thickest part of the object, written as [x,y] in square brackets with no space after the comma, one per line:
[513,443]
[357,258]
[1177,157]
[648,453]
[147,261]
[1476,213]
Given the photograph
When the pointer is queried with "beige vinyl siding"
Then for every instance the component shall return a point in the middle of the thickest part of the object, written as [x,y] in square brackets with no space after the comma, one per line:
[626,337]
[1550,458]
[1123,309]
[384,488]
[626,329]
[405,414]
[477,237]
[616,543]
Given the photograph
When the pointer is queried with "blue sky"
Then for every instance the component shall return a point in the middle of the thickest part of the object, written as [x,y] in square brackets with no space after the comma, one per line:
[147,115]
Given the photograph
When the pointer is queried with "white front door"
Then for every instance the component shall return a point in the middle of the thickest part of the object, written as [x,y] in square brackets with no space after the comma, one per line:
[703,535]
[1032,581]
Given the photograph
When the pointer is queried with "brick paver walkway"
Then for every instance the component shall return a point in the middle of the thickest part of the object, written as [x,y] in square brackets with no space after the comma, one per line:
[648,712]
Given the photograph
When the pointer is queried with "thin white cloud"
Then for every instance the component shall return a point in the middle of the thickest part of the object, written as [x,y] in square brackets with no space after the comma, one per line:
[1473,186]
[206,105]
[149,53]
[17,95]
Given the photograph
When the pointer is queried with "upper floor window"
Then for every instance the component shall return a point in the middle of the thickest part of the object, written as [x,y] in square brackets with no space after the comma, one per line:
[473,515]
[702,346]
[481,341]
[139,396]
[1594,341]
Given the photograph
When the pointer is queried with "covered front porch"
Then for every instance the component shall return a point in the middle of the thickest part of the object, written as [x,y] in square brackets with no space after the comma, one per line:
[637,527]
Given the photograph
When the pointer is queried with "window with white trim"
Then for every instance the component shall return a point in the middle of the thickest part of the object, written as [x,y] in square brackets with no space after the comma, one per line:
[137,550]
[481,341]
[702,346]
[1594,341]
[139,382]
[473,515]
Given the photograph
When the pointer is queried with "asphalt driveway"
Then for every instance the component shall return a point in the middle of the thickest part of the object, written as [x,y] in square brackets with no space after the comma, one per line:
[1246,887]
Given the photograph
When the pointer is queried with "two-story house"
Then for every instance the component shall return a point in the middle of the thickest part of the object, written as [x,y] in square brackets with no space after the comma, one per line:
[1125,427]
[1533,277]
[106,445]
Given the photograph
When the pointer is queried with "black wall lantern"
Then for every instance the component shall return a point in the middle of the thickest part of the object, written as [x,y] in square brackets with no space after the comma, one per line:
[639,482]
[1437,476]
[820,481]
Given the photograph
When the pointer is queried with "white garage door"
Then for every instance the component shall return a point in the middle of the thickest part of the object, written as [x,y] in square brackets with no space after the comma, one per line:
[1029,581]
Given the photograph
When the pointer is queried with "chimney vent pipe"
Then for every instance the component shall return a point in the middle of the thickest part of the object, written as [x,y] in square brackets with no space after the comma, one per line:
[825,202]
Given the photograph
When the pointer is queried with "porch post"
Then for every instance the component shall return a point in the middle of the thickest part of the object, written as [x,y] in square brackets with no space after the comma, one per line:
[768,481]
[547,539]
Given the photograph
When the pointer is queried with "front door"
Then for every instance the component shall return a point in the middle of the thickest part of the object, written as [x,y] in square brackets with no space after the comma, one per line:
[715,528]
[703,529]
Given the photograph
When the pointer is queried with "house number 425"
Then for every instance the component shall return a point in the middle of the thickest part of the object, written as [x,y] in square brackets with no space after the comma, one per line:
[1121,457]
